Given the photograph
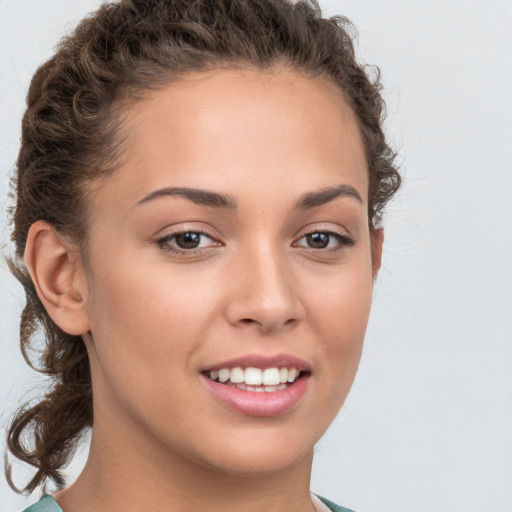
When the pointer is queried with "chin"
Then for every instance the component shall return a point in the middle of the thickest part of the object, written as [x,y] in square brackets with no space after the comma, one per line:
[262,464]
[262,453]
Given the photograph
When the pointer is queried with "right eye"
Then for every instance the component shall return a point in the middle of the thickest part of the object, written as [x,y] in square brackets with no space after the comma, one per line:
[186,241]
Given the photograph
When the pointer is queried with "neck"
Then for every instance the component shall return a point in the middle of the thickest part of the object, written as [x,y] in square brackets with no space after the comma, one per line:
[122,475]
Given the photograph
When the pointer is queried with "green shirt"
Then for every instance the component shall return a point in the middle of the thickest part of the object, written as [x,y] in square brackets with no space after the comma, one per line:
[48,504]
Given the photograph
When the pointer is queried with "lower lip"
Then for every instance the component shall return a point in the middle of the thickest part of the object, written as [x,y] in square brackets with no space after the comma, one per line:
[252,403]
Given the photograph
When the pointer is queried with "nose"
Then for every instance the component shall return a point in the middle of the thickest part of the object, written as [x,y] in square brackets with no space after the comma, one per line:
[264,293]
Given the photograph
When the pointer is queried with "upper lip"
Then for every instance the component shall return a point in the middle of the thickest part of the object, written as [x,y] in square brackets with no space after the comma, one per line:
[262,362]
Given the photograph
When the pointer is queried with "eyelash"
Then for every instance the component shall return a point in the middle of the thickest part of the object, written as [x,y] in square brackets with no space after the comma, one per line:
[342,239]
[164,243]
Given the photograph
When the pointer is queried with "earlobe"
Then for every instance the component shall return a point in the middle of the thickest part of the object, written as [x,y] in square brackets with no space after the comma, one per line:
[58,276]
[377,242]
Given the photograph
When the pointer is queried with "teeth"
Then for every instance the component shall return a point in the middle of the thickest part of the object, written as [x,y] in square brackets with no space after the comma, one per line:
[255,379]
[253,376]
[223,375]
[292,374]
[236,375]
[260,389]
[271,377]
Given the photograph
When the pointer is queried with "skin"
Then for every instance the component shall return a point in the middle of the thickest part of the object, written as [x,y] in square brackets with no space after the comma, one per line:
[153,319]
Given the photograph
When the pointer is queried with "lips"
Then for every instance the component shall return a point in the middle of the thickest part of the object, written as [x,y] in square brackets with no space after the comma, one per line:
[259,386]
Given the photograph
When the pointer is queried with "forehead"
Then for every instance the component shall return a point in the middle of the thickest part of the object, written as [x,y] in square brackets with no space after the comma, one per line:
[230,129]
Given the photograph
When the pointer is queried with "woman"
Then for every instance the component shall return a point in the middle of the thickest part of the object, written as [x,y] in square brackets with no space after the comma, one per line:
[199,192]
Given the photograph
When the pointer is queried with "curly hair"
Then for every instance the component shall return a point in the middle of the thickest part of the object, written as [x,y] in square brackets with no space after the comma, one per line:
[71,135]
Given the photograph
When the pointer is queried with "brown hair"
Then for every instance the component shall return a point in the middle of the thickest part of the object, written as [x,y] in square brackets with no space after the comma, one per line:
[70,135]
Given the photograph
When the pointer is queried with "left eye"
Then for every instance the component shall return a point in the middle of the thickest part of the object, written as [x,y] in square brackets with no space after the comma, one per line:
[324,240]
[187,240]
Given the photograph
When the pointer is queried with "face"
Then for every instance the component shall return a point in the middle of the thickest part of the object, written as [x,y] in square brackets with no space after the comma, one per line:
[229,271]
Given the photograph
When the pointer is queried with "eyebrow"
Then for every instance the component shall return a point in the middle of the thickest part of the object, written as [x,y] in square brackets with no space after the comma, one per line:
[197,196]
[313,199]
[216,200]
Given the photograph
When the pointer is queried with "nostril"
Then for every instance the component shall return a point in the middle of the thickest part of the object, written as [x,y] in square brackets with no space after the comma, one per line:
[267,327]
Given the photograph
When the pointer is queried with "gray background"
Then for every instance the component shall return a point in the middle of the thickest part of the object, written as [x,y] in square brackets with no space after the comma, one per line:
[428,424]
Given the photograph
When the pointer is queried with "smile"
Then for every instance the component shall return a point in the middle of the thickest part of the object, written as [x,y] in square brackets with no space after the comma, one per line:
[259,386]
[253,379]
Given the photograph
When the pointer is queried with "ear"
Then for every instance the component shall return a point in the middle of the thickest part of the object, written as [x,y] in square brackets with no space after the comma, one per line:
[377,242]
[58,276]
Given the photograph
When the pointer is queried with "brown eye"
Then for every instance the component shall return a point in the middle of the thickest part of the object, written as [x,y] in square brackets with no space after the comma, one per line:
[189,240]
[325,240]
[318,240]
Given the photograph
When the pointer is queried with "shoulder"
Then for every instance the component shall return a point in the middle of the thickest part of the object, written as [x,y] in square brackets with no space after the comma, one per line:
[332,506]
[45,504]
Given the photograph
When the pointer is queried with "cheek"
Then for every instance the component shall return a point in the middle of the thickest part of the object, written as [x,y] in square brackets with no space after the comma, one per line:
[140,295]
[131,315]
[148,319]
[143,340]
[340,315]
[342,307]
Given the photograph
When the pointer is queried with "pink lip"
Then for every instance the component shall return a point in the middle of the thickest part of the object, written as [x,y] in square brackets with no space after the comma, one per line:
[261,361]
[253,403]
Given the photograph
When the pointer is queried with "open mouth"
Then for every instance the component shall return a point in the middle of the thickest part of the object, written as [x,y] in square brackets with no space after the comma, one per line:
[256,386]
[268,380]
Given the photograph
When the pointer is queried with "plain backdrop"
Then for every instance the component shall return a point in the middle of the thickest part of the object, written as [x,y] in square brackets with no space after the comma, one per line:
[428,424]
